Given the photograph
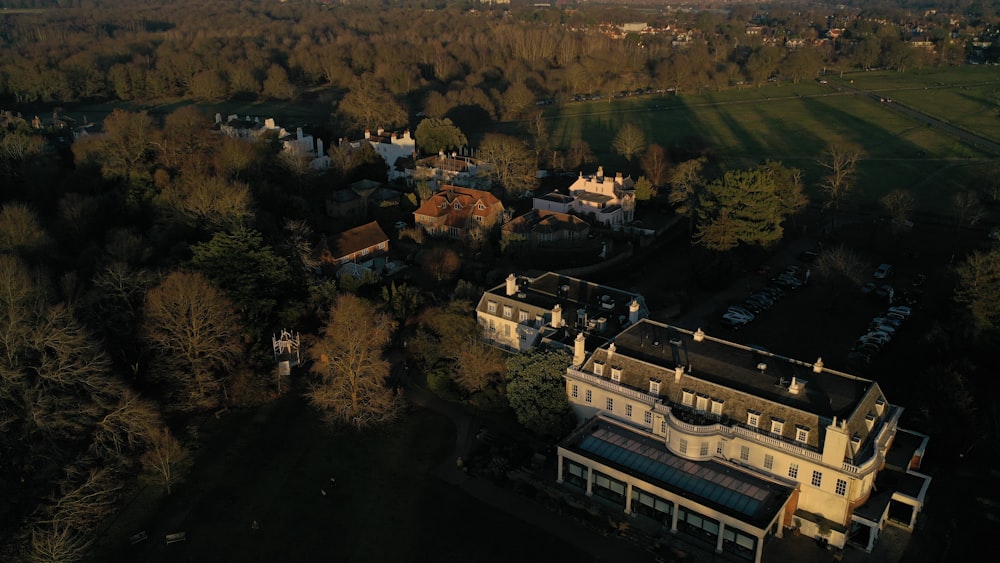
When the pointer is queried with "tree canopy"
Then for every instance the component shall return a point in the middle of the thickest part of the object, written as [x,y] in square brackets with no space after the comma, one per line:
[537,392]
[434,135]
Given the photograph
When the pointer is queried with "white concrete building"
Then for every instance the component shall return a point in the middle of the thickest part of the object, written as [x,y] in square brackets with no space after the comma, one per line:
[731,444]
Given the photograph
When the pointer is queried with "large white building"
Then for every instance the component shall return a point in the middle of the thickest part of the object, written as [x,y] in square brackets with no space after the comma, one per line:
[605,200]
[731,444]
[522,312]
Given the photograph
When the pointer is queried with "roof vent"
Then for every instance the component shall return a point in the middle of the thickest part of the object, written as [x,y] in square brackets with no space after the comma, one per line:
[818,366]
[762,367]
[797,386]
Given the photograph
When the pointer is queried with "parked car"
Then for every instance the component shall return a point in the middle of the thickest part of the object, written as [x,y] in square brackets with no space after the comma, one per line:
[901,310]
[883,271]
[884,290]
[754,308]
[919,279]
[895,323]
[879,334]
[762,298]
[739,309]
[746,315]
[774,291]
[736,318]
[890,330]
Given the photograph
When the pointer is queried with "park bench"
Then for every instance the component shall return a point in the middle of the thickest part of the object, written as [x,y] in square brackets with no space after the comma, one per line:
[136,538]
[174,538]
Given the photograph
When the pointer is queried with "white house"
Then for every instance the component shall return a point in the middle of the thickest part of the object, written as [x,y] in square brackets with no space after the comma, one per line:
[607,201]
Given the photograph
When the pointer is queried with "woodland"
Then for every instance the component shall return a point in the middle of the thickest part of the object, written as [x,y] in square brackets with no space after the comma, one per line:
[143,270]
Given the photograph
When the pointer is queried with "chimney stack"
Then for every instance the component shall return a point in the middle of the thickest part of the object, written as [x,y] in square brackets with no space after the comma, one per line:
[557,320]
[579,351]
[611,352]
[818,366]
[633,311]
[511,285]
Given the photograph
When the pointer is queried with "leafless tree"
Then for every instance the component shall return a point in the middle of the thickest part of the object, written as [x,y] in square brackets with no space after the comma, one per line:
[629,141]
[840,160]
[899,203]
[195,331]
[165,460]
[348,360]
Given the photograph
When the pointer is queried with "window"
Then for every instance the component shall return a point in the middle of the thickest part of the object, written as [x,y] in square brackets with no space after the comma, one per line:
[663,427]
[590,396]
[870,420]
[684,446]
[793,470]
[777,425]
[479,218]
[576,391]
[717,406]
[364,251]
[616,373]
[720,448]
[817,479]
[841,487]
[880,405]
[802,434]
[768,461]
[753,418]
[703,452]
[508,312]
[628,411]
[654,387]
[702,402]
[598,368]
[491,306]
[610,404]
[687,397]
[522,316]
[745,453]
[648,417]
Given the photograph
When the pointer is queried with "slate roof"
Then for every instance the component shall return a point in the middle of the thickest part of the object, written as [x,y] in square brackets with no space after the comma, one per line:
[357,239]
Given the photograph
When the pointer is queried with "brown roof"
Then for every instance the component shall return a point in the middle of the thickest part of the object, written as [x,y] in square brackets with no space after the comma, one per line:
[357,239]
[443,203]
[545,221]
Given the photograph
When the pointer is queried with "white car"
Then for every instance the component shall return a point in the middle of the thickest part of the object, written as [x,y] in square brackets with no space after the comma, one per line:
[883,271]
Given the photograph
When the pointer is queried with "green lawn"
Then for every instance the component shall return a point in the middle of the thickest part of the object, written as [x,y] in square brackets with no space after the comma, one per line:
[959,95]
[270,464]
[792,123]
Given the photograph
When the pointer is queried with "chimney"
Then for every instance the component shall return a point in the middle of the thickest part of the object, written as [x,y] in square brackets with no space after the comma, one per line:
[600,172]
[319,147]
[441,154]
[298,132]
[818,366]
[699,335]
[368,134]
[618,177]
[678,372]
[406,134]
[380,131]
[633,311]
[218,118]
[797,386]
[557,320]
[579,352]
[511,285]
[611,353]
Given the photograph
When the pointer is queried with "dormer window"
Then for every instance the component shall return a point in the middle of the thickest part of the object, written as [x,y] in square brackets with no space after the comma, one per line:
[491,306]
[753,418]
[777,425]
[880,405]
[616,374]
[687,397]
[598,368]
[856,440]
[458,205]
[522,316]
[508,311]
[802,434]
[717,405]
[654,387]
[701,402]
[480,206]
[870,420]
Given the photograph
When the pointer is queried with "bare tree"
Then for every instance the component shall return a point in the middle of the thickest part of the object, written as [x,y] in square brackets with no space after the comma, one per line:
[196,333]
[477,365]
[656,165]
[58,543]
[348,359]
[441,263]
[510,163]
[126,428]
[579,154]
[968,209]
[209,200]
[840,160]
[899,203]
[165,460]
[20,230]
[629,141]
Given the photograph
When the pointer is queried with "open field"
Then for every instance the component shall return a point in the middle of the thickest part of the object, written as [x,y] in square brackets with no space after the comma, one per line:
[962,96]
[792,123]
[270,464]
